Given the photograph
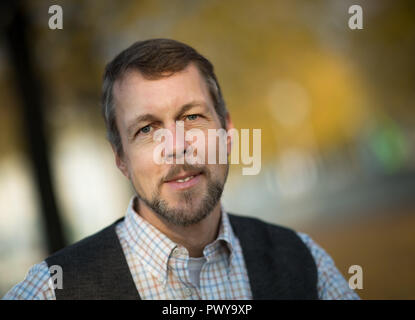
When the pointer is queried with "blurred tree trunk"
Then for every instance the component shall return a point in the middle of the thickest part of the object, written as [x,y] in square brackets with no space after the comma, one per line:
[32,106]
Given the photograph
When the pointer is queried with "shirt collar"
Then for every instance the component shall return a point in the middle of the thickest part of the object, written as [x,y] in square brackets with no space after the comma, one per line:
[154,248]
[225,237]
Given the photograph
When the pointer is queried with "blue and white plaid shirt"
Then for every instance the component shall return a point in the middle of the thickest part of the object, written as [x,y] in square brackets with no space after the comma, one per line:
[160,267]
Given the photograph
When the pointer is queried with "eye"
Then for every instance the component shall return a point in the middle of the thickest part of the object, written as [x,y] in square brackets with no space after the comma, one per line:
[145,129]
[192,117]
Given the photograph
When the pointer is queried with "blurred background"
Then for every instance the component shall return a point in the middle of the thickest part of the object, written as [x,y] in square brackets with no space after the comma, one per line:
[335,105]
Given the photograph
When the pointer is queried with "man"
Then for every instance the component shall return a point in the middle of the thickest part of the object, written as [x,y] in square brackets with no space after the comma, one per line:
[176,241]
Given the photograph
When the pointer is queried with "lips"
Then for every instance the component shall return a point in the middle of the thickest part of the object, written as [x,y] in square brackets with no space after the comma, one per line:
[183,177]
[184,181]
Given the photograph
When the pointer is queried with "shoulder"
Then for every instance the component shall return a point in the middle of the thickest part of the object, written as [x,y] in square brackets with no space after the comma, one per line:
[87,249]
[256,229]
[35,286]
[277,238]
[331,283]
[323,260]
[318,252]
[321,257]
[246,221]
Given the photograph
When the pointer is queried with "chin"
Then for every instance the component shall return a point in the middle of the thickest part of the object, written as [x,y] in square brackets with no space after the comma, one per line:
[184,206]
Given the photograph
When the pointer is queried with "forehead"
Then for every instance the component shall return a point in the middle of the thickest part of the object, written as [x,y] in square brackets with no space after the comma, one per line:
[135,95]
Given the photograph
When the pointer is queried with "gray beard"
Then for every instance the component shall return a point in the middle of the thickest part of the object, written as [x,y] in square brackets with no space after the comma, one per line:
[190,215]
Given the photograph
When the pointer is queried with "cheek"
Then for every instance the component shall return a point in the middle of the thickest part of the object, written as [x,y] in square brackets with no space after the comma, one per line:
[207,143]
[216,149]
[144,169]
[217,172]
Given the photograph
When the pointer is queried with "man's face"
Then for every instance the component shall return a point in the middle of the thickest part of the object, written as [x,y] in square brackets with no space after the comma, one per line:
[144,106]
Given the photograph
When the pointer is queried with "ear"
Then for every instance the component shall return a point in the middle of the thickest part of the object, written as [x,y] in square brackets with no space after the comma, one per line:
[229,126]
[121,163]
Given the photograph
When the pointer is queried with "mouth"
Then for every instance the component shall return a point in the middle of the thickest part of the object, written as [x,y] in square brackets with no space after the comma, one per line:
[184,181]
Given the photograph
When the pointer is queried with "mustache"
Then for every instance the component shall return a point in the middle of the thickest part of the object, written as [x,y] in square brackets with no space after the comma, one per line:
[186,168]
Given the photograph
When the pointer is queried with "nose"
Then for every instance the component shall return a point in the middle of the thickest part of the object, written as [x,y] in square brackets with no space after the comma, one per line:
[177,149]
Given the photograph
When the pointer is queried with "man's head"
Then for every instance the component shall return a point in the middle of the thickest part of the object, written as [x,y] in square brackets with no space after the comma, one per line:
[150,86]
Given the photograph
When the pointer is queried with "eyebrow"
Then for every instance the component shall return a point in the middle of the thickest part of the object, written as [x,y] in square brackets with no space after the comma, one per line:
[151,118]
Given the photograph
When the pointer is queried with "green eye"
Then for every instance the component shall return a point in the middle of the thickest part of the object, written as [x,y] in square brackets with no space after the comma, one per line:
[192,117]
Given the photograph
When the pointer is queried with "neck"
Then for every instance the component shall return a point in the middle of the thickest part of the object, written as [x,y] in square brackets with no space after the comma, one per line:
[194,237]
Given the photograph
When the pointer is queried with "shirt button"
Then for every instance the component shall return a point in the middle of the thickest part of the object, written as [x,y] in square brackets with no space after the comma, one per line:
[176,252]
[187,292]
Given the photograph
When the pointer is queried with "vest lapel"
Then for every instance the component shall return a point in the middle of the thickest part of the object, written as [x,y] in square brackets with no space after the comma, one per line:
[278,263]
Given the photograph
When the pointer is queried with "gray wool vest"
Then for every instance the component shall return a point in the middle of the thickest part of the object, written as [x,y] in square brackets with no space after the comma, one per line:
[279,264]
